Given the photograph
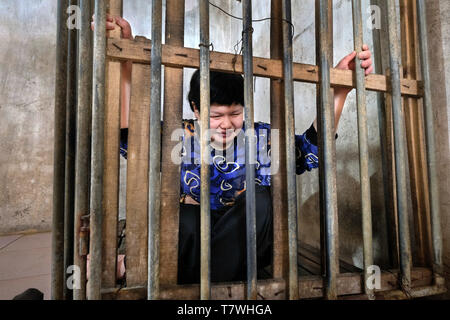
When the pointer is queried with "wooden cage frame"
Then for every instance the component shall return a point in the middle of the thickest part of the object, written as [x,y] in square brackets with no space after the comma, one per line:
[71,207]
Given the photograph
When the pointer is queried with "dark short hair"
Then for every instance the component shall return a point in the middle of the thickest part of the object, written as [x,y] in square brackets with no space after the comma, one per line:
[225,89]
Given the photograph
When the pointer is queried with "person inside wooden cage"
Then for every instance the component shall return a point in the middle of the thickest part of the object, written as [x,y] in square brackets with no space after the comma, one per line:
[228,224]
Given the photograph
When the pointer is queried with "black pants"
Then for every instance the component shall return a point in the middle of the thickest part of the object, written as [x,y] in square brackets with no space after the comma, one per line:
[228,240]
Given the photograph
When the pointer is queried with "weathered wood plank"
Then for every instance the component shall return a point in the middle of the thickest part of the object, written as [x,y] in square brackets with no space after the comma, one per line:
[279,182]
[313,254]
[392,211]
[267,290]
[275,289]
[170,171]
[176,56]
[111,159]
[380,58]
[137,176]
[111,174]
[309,265]
[415,136]
[416,292]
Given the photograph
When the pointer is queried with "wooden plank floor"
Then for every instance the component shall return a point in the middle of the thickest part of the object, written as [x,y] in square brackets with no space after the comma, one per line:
[309,261]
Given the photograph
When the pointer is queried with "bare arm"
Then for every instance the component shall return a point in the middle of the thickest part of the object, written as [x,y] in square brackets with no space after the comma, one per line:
[340,94]
[126,68]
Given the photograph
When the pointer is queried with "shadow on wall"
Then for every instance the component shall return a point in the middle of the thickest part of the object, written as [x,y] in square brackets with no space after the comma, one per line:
[349,218]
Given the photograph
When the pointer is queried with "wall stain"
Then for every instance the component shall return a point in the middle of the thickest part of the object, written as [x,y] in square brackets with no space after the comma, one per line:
[22,213]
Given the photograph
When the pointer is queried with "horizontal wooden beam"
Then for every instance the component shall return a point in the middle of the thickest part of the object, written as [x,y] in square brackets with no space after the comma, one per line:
[416,292]
[139,51]
[275,289]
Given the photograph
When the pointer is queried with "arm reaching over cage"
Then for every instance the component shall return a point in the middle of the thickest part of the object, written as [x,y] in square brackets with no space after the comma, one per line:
[112,23]
[340,93]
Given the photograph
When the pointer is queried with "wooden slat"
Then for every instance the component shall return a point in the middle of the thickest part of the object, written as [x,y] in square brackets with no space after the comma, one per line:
[111,160]
[176,56]
[279,199]
[381,61]
[313,254]
[392,213]
[111,174]
[137,176]
[275,289]
[267,290]
[415,137]
[115,8]
[418,292]
[309,265]
[302,272]
[170,171]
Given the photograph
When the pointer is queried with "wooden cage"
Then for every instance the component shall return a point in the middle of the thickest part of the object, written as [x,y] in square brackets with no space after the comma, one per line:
[87,131]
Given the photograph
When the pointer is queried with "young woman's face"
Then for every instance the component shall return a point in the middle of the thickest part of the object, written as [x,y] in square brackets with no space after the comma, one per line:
[225,121]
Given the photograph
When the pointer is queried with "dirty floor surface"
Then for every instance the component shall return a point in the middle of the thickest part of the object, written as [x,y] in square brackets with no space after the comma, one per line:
[25,262]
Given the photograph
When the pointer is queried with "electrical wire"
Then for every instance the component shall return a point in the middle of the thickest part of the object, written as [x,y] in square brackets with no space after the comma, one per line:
[255,20]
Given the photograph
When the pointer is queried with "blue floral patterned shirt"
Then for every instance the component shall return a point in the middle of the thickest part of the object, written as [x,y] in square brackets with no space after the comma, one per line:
[227,167]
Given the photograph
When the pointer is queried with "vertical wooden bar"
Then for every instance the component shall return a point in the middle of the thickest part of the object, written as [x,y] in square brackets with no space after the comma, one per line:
[170,172]
[415,136]
[137,176]
[278,156]
[431,148]
[363,146]
[71,118]
[205,154]
[97,165]
[290,148]
[392,220]
[381,61]
[400,145]
[57,281]
[154,167]
[392,217]
[250,150]
[111,160]
[323,255]
[327,150]
[83,144]
[318,99]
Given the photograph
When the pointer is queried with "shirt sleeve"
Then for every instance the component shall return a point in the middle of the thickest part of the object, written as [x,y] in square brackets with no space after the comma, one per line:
[124,142]
[307,151]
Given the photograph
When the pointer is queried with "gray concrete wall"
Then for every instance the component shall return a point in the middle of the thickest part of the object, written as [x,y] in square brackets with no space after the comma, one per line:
[27,49]
[438,15]
[27,69]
